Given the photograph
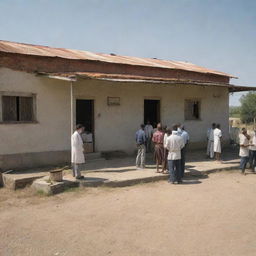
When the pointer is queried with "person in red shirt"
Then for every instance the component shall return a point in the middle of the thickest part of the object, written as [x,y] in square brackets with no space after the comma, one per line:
[158,139]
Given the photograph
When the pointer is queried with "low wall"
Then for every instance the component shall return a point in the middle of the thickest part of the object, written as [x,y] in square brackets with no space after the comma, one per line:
[33,160]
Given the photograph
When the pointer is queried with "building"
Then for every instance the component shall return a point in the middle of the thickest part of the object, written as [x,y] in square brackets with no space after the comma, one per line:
[45,91]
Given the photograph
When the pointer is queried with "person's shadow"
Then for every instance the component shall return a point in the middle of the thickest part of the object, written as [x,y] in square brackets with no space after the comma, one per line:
[193,176]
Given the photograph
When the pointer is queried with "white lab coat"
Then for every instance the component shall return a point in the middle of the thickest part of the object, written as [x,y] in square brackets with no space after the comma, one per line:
[77,149]
[217,134]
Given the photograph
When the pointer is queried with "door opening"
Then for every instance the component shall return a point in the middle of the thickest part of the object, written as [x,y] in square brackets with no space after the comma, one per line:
[85,116]
[152,112]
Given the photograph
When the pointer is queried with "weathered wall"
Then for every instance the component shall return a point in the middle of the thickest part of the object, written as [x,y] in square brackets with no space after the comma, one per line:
[114,125]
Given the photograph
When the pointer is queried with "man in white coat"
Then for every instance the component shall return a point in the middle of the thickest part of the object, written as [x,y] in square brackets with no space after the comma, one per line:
[174,144]
[217,134]
[210,141]
[77,151]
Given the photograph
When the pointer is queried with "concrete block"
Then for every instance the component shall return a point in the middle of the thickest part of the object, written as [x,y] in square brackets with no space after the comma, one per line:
[47,187]
[13,181]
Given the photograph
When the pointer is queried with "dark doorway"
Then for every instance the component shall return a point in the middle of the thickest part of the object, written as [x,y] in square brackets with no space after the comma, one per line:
[152,111]
[85,114]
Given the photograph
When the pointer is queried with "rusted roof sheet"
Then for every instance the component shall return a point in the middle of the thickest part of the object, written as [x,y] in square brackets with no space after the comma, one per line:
[73,76]
[29,49]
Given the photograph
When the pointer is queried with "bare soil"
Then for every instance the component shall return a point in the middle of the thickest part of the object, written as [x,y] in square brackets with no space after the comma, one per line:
[213,215]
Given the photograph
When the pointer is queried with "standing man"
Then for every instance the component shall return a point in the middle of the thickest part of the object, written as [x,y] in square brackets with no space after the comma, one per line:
[166,135]
[179,130]
[77,151]
[149,132]
[174,144]
[252,151]
[140,141]
[210,141]
[244,149]
[158,139]
[185,137]
[217,134]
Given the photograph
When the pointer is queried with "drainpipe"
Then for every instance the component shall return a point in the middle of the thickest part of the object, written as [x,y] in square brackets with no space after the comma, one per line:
[71,109]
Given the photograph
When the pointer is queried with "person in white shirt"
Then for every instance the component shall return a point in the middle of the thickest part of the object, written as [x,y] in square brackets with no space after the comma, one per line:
[166,135]
[174,145]
[77,151]
[185,136]
[210,141]
[244,149]
[252,151]
[217,134]
[148,132]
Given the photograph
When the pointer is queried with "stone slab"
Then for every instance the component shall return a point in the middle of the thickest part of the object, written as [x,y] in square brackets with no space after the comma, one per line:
[14,182]
[50,188]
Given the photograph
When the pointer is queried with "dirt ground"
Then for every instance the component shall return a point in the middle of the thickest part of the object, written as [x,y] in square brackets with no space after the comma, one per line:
[210,215]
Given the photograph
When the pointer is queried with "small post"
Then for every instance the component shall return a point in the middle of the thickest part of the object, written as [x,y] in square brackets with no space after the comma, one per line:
[71,109]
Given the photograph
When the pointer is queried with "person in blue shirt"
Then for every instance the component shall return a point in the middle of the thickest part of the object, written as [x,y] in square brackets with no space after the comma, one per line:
[141,146]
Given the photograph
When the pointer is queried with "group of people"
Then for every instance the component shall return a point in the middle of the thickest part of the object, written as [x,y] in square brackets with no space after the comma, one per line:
[169,149]
[247,150]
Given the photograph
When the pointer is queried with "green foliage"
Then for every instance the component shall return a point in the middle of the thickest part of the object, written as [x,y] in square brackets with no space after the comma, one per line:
[234,111]
[248,107]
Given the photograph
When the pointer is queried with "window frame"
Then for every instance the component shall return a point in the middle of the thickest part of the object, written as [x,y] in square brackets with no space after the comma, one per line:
[200,109]
[18,94]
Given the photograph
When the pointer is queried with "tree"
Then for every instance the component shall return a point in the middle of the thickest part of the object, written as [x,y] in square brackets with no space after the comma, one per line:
[248,107]
[234,111]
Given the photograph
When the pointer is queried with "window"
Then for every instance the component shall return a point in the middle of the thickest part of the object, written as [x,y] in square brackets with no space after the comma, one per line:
[17,108]
[192,109]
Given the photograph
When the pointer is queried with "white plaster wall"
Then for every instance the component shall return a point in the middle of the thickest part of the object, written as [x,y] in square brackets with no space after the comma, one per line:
[52,131]
[115,126]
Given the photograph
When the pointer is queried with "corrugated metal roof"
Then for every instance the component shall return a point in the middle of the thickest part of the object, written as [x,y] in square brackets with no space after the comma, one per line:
[73,76]
[29,49]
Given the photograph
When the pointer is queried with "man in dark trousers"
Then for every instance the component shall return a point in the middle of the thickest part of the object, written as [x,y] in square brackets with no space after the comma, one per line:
[174,145]
[141,146]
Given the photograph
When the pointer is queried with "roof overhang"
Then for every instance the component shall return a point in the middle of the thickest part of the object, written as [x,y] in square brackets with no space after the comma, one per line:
[121,78]
[69,54]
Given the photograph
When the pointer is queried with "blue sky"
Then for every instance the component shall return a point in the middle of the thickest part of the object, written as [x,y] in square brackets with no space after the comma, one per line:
[218,34]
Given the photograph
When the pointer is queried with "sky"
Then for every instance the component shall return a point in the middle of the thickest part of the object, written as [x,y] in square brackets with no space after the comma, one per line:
[217,34]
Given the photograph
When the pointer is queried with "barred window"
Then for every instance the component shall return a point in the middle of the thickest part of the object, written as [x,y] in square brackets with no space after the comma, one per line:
[192,109]
[17,109]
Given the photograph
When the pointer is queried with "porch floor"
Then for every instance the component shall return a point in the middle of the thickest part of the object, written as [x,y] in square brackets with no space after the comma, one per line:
[122,171]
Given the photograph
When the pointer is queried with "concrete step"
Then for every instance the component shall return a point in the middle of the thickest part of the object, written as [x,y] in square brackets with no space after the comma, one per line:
[20,179]
[93,156]
[15,180]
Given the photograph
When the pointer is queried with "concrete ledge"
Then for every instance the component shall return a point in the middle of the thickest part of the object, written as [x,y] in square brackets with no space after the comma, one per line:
[41,159]
[11,181]
[124,183]
[46,187]
[96,182]
[221,169]
[31,160]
